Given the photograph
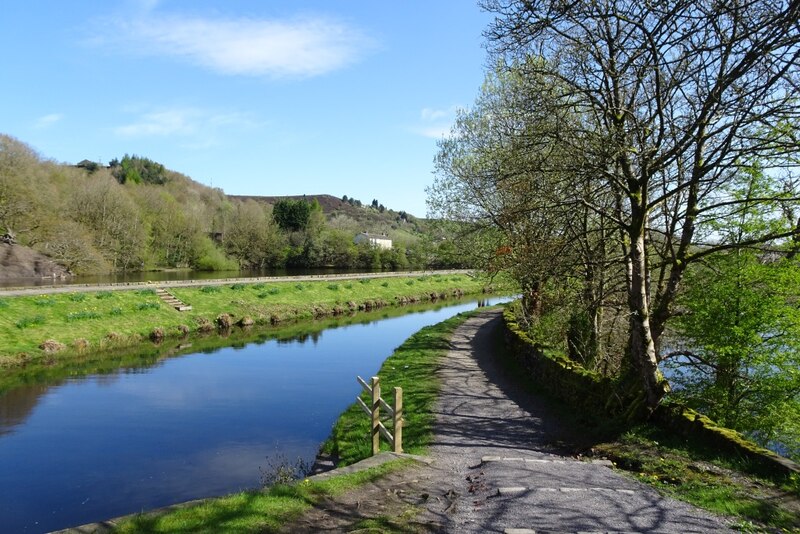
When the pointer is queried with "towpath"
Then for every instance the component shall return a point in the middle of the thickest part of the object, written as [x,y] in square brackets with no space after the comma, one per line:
[495,467]
[127,286]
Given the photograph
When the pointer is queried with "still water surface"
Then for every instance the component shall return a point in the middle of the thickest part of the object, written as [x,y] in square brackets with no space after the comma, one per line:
[199,425]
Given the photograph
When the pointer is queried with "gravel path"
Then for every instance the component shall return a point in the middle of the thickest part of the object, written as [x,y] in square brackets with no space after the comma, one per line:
[499,443]
[495,466]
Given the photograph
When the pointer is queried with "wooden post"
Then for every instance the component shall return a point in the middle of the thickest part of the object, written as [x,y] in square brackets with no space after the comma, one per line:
[398,420]
[376,415]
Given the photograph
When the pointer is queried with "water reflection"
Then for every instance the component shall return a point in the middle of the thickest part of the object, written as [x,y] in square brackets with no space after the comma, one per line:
[164,429]
[170,276]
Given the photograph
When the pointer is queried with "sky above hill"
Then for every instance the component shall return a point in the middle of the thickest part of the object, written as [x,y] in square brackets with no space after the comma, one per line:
[290,97]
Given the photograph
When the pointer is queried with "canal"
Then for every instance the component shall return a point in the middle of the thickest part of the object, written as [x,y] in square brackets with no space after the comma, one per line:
[87,448]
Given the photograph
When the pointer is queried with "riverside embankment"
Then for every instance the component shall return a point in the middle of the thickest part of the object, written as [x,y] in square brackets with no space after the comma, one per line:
[36,325]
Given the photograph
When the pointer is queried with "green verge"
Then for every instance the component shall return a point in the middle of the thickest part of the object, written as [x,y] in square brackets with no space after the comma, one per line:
[253,511]
[86,321]
[413,367]
[685,469]
[699,474]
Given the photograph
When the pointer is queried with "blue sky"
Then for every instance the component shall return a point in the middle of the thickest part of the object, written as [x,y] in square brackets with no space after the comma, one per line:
[345,97]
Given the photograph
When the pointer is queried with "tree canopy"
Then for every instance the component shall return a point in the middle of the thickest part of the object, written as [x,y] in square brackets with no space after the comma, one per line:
[613,138]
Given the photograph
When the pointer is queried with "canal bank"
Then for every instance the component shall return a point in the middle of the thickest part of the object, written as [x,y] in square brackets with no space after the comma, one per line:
[46,327]
[167,431]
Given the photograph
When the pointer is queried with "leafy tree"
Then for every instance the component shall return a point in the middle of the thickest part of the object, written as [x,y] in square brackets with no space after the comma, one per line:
[104,207]
[737,342]
[672,98]
[293,215]
[136,169]
[737,355]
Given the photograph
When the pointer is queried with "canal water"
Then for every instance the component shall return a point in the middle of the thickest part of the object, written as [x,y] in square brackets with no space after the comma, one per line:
[94,447]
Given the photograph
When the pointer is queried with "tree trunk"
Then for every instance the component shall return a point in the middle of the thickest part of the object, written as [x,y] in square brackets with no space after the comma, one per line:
[641,347]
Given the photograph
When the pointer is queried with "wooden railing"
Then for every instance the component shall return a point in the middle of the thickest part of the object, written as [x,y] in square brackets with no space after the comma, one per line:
[378,429]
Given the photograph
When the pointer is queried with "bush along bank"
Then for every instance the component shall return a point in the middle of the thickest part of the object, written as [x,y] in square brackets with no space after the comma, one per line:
[42,328]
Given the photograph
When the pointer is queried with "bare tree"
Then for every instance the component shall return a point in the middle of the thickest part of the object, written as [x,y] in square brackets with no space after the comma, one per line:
[674,98]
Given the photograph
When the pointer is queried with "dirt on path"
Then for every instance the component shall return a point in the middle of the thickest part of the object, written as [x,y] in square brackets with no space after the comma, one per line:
[497,465]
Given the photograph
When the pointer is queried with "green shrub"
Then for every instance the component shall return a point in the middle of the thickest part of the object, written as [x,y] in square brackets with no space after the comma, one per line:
[25,322]
[145,292]
[409,282]
[238,286]
[259,286]
[77,297]
[348,286]
[299,287]
[210,289]
[82,315]
[333,287]
[385,284]
[100,295]
[268,292]
[365,281]
[3,304]
[45,301]
[148,306]
[115,311]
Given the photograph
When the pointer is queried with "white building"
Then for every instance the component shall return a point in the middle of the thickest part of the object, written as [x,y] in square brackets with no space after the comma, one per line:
[376,240]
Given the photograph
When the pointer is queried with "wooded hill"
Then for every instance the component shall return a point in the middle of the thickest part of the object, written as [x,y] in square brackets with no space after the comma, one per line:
[135,214]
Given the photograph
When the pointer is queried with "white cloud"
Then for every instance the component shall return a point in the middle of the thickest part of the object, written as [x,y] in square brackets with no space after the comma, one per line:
[245,46]
[162,123]
[47,120]
[436,123]
[196,128]
[429,114]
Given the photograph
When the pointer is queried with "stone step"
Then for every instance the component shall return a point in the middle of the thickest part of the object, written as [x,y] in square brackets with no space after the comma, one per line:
[172,300]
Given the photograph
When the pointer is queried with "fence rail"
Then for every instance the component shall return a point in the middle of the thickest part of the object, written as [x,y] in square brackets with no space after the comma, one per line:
[378,429]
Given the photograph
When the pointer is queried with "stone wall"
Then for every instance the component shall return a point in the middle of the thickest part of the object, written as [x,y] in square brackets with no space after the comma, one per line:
[567,381]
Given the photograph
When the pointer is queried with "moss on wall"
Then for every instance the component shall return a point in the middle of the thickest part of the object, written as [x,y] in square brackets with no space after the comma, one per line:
[599,396]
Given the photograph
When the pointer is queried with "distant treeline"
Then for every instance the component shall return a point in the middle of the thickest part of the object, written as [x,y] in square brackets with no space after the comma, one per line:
[135,214]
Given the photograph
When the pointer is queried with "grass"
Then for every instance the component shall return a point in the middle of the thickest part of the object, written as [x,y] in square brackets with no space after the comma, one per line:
[253,511]
[26,321]
[700,475]
[412,366]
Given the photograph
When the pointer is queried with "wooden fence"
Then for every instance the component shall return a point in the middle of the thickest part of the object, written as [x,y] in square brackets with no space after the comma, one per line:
[378,429]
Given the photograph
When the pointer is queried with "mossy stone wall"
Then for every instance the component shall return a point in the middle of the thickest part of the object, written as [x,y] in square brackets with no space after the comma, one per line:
[584,390]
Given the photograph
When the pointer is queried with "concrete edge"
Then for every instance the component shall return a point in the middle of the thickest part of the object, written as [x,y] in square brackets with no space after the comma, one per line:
[102,527]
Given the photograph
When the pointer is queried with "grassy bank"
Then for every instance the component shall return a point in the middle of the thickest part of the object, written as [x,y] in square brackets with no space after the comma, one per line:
[412,366]
[34,328]
[253,511]
[55,368]
[698,474]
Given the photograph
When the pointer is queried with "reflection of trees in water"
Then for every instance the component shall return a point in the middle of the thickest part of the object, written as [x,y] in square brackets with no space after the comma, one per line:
[16,405]
[302,338]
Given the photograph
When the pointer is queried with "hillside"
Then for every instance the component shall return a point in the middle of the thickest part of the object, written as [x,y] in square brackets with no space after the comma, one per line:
[371,219]
[134,214]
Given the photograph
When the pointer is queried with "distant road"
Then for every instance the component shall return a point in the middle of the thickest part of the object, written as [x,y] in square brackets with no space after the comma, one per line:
[123,286]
